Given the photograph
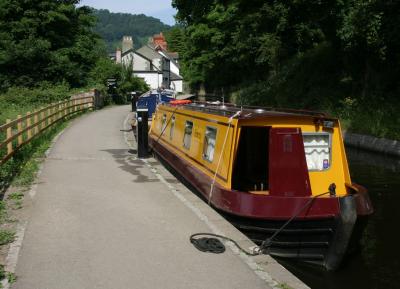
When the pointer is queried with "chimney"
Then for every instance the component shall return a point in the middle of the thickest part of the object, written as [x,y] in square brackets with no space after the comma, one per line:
[127,43]
[118,56]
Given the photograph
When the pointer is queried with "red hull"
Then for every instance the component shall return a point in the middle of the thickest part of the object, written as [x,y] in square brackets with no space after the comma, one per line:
[256,206]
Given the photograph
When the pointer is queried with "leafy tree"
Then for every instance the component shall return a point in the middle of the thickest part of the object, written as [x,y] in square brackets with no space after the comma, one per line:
[339,56]
[46,41]
[175,38]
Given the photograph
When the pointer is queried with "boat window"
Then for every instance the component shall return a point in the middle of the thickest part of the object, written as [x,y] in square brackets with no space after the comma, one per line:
[163,122]
[171,130]
[187,138]
[209,143]
[317,147]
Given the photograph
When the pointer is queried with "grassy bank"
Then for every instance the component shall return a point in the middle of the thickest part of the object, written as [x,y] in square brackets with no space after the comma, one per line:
[18,101]
[315,81]
[22,168]
[16,178]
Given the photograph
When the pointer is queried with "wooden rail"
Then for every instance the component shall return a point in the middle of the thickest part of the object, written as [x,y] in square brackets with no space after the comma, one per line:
[22,130]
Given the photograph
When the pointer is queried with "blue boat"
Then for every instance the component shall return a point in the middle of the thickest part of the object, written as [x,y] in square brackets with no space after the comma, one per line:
[154,97]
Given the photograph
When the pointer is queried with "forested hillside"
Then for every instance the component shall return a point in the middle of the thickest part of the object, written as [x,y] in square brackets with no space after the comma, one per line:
[48,48]
[112,26]
[338,56]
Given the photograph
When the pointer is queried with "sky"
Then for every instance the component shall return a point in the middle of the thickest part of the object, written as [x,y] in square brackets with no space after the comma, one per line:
[160,9]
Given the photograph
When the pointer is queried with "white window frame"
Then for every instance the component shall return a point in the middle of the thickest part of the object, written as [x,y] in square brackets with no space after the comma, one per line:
[171,130]
[206,144]
[188,124]
[329,148]
[163,122]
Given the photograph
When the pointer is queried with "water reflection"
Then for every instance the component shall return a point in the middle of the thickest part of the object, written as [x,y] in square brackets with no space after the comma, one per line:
[376,263]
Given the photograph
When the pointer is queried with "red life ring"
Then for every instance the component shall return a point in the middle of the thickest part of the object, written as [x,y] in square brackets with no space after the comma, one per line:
[180,101]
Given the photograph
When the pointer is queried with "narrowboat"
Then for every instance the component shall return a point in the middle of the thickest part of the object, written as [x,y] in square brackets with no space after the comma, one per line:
[154,97]
[263,167]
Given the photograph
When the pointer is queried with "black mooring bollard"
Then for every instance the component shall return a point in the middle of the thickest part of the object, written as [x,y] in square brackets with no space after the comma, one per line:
[133,100]
[142,131]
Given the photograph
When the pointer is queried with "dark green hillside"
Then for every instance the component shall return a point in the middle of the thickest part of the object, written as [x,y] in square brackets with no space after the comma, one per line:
[338,56]
[112,26]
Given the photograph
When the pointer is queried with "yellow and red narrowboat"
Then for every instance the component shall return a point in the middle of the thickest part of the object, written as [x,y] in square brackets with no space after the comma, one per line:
[261,167]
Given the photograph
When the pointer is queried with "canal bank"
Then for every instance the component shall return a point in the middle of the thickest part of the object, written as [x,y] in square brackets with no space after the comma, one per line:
[374,144]
[99,217]
[264,266]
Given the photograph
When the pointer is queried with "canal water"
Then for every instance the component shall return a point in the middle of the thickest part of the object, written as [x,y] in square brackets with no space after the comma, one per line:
[376,263]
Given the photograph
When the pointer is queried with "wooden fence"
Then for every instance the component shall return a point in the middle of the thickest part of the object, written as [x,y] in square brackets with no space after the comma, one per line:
[22,130]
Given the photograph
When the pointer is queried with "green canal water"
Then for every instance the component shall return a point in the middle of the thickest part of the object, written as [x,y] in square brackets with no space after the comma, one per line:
[376,263]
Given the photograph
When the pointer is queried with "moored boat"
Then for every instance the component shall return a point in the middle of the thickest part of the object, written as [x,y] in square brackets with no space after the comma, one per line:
[152,98]
[262,167]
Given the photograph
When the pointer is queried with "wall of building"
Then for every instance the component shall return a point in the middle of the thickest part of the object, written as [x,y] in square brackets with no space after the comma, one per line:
[177,85]
[152,78]
[174,68]
[140,63]
[127,59]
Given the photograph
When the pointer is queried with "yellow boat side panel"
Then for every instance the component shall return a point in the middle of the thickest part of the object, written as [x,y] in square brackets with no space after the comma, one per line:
[177,119]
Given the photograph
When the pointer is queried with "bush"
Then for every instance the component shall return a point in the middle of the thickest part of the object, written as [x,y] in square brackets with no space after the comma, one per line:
[126,81]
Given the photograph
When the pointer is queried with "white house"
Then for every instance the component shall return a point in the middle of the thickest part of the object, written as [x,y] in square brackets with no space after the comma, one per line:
[154,65]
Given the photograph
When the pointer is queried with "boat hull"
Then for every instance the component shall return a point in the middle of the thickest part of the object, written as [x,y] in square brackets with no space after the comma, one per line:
[320,233]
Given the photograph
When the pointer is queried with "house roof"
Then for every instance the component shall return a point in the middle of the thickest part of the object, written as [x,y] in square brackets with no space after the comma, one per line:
[149,52]
[174,55]
[175,77]
[127,52]
[165,54]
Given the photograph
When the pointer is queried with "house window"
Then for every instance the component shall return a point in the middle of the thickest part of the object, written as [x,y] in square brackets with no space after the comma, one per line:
[317,147]
[163,122]
[171,131]
[209,143]
[187,138]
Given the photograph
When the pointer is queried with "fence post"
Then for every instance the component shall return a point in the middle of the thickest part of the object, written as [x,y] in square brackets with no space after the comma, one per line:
[65,108]
[42,120]
[49,117]
[19,128]
[53,113]
[9,135]
[36,121]
[28,124]
[57,112]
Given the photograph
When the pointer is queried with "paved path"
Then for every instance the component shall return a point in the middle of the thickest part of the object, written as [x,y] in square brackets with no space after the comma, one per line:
[102,219]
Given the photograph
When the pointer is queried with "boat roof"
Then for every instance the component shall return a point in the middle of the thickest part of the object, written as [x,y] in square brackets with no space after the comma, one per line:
[247,112]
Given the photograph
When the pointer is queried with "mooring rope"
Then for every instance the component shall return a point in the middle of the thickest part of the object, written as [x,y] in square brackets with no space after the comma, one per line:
[221,154]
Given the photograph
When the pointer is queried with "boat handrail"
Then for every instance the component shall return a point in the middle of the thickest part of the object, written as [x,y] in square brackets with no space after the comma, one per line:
[229,109]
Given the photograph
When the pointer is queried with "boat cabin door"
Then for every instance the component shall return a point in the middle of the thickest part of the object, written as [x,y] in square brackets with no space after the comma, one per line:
[250,172]
[288,172]
[271,159]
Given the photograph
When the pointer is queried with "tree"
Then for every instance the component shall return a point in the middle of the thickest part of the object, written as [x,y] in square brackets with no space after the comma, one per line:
[46,41]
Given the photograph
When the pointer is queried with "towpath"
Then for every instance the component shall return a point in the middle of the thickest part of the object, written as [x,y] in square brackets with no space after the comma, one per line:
[100,218]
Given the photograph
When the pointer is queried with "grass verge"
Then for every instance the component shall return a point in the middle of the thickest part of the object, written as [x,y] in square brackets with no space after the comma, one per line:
[16,177]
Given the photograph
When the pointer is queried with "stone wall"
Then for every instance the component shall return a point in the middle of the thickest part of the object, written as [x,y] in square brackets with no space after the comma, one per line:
[381,145]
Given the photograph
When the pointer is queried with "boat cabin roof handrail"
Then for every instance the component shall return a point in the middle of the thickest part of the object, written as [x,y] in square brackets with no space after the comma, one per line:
[228,109]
